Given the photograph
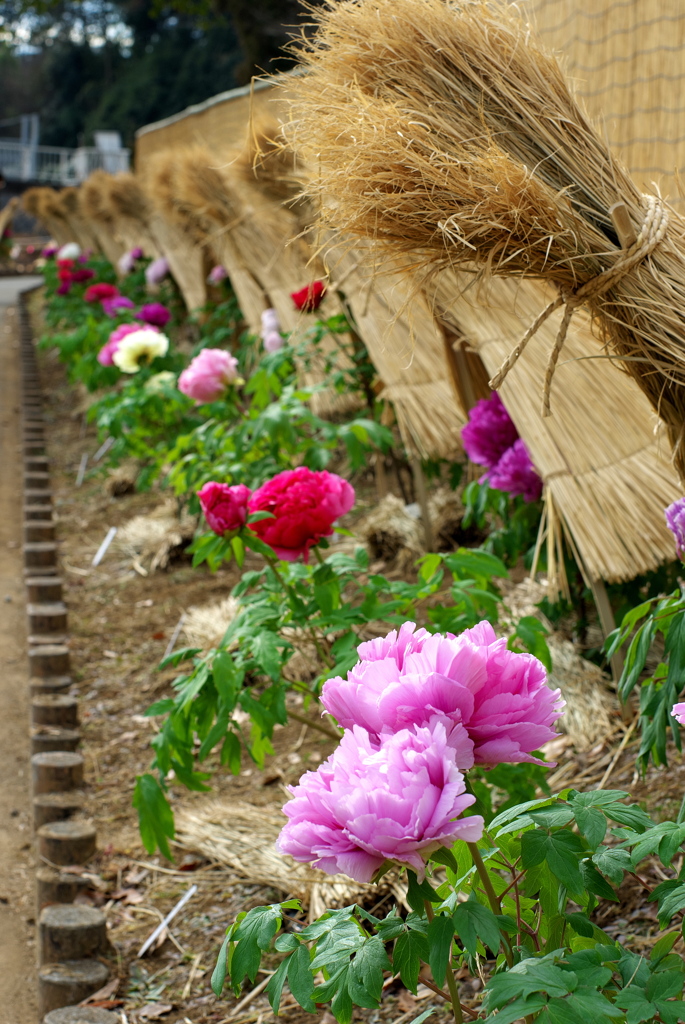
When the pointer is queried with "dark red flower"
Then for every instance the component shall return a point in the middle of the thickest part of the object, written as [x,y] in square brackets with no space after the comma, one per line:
[84,274]
[309,298]
[98,292]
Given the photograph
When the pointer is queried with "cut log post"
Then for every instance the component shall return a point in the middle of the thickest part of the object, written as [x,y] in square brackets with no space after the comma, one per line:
[48,807]
[49,660]
[68,983]
[56,772]
[37,496]
[47,617]
[57,709]
[52,738]
[71,932]
[40,463]
[50,684]
[40,554]
[35,479]
[81,1015]
[37,531]
[34,447]
[54,886]
[66,842]
[38,512]
[44,588]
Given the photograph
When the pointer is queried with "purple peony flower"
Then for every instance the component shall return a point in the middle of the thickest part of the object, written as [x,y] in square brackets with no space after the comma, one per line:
[675,521]
[114,305]
[516,474]
[403,680]
[397,797]
[489,432]
[678,712]
[156,271]
[154,313]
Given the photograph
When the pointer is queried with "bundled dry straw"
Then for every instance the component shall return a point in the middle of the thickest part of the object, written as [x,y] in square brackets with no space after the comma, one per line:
[443,131]
[133,213]
[96,206]
[80,228]
[41,203]
[176,235]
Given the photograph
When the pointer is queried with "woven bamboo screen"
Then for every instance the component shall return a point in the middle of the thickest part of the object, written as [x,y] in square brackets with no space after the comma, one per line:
[626,59]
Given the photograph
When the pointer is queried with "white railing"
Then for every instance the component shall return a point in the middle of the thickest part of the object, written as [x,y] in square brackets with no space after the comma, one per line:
[56,165]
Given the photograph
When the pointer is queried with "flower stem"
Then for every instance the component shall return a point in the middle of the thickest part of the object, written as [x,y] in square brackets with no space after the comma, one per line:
[493,899]
[452,986]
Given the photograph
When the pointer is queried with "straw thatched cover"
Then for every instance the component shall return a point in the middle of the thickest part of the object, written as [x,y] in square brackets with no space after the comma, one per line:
[609,472]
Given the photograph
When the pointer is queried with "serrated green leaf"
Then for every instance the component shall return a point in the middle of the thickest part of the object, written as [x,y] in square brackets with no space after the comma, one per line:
[440,936]
[300,979]
[219,972]
[155,816]
[473,921]
[275,987]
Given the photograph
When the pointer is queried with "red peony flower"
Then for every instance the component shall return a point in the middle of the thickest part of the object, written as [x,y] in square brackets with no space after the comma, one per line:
[84,274]
[224,506]
[98,292]
[309,298]
[305,505]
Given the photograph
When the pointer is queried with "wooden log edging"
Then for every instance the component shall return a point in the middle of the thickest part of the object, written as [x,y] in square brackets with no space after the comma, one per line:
[72,937]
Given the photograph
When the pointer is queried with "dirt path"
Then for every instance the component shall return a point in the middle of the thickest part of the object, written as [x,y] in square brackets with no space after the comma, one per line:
[17,925]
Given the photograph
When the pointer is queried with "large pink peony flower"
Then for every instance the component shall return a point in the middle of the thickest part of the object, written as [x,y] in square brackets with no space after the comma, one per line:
[675,521]
[224,506]
[499,696]
[208,375]
[489,432]
[106,353]
[156,271]
[398,798]
[305,504]
[678,712]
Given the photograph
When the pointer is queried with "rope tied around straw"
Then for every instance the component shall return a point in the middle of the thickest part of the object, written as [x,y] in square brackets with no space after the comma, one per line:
[651,233]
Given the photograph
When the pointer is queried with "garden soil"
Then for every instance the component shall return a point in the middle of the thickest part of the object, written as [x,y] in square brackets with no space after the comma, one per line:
[17,924]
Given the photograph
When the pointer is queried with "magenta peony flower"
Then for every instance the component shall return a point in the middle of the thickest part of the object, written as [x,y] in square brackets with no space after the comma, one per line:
[224,507]
[678,712]
[156,271]
[64,288]
[217,274]
[395,799]
[112,307]
[106,353]
[516,474]
[489,432]
[49,250]
[501,697]
[209,374]
[675,521]
[305,505]
[154,313]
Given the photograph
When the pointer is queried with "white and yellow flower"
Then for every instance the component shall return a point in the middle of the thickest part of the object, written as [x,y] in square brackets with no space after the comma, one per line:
[139,348]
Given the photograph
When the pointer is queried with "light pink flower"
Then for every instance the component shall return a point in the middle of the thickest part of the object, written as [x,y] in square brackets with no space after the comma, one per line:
[217,274]
[224,506]
[396,798]
[678,712]
[209,374]
[106,353]
[305,504]
[273,341]
[156,271]
[501,697]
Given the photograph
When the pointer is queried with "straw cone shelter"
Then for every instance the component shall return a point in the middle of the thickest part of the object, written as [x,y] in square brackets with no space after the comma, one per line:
[132,214]
[7,213]
[39,202]
[97,208]
[81,230]
[174,231]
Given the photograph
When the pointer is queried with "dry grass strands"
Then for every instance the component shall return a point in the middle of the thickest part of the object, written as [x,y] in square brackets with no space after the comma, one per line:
[176,234]
[41,204]
[81,230]
[97,208]
[243,837]
[157,536]
[132,211]
[443,131]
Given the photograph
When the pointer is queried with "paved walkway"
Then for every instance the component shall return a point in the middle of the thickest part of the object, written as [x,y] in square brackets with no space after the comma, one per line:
[17,868]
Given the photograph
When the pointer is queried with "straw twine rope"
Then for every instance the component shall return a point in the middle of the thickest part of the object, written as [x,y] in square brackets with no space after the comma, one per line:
[651,233]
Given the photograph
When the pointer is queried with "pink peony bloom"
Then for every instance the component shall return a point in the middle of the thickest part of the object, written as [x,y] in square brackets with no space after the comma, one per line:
[217,274]
[516,474]
[106,353]
[98,292]
[305,505]
[489,432]
[675,521]
[154,313]
[156,271]
[127,262]
[501,697]
[309,298]
[224,507]
[113,306]
[209,374]
[678,712]
[396,799]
